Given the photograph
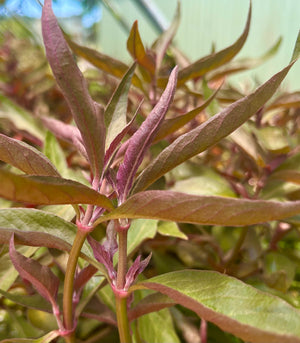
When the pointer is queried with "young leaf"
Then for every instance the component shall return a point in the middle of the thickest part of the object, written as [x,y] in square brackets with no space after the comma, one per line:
[49,337]
[210,132]
[210,62]
[141,140]
[296,52]
[87,114]
[46,190]
[41,277]
[234,306]
[25,157]
[116,111]
[135,269]
[206,210]
[136,49]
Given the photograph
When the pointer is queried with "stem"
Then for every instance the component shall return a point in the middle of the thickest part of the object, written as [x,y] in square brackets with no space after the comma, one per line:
[122,318]
[69,283]
[121,301]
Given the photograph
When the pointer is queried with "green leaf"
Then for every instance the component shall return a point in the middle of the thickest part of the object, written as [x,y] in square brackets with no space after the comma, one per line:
[116,111]
[157,327]
[56,155]
[170,229]
[50,336]
[34,301]
[31,221]
[210,132]
[210,62]
[136,49]
[232,305]
[140,230]
[206,210]
[287,175]
[22,119]
[87,114]
[45,190]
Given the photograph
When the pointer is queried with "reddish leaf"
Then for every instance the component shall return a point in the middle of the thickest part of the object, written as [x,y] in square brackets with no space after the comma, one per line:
[25,157]
[141,140]
[41,277]
[87,114]
[206,210]
[45,190]
[210,132]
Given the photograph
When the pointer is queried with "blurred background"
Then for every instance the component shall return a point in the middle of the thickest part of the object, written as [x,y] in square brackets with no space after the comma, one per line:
[205,25]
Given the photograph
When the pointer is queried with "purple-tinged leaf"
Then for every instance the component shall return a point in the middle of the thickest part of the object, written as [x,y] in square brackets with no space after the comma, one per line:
[82,278]
[46,190]
[232,305]
[210,62]
[106,63]
[205,210]
[25,157]
[49,337]
[287,175]
[296,52]
[151,303]
[116,111]
[66,132]
[141,140]
[166,38]
[103,256]
[173,124]
[41,277]
[136,268]
[87,114]
[136,49]
[210,132]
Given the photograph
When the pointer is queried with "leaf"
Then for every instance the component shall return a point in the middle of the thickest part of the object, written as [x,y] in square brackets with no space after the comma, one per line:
[287,175]
[41,277]
[106,63]
[87,114]
[38,228]
[151,303]
[8,273]
[49,337]
[45,190]
[210,62]
[232,305]
[205,210]
[157,327]
[142,138]
[166,38]
[20,118]
[25,157]
[34,301]
[170,229]
[136,49]
[296,52]
[116,110]
[173,124]
[210,132]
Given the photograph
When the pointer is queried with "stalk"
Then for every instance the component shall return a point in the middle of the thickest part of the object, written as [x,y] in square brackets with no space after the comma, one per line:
[121,299]
[69,284]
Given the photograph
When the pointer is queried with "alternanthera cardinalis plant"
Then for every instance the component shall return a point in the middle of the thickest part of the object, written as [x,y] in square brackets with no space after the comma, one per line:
[128,195]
